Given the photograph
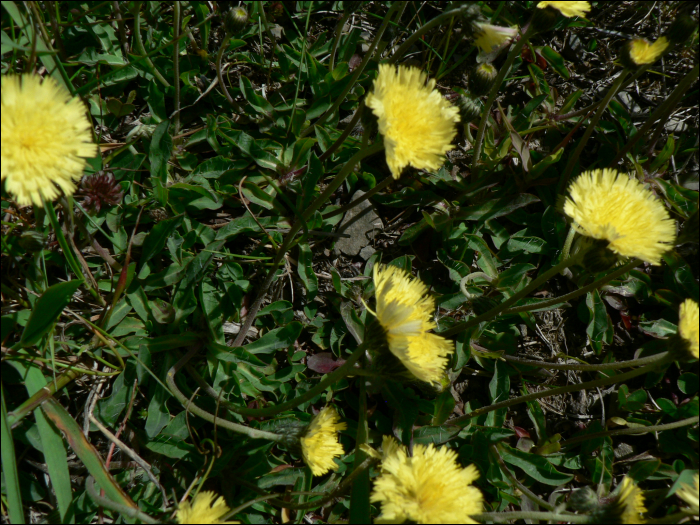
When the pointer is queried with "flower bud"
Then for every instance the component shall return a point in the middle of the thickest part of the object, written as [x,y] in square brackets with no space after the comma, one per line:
[481,79]
[236,19]
[469,109]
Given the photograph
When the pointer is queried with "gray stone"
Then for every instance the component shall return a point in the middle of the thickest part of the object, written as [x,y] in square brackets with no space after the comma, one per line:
[360,224]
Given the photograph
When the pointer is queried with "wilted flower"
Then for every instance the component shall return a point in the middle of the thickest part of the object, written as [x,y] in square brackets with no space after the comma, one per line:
[45,139]
[638,52]
[568,9]
[416,121]
[319,444]
[607,205]
[690,493]
[688,325]
[631,500]
[404,311]
[203,509]
[428,487]
[489,36]
[101,190]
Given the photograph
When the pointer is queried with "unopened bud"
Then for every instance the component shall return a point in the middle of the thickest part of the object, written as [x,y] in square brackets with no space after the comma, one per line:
[469,109]
[481,79]
[236,19]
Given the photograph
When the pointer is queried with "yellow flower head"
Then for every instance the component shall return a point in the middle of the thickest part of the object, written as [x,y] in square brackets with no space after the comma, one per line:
[319,445]
[429,487]
[489,36]
[203,509]
[691,495]
[404,310]
[688,325]
[609,205]
[45,139]
[642,53]
[568,9]
[632,502]
[416,121]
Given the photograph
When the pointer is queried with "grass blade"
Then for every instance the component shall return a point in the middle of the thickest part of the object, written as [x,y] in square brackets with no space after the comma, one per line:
[9,469]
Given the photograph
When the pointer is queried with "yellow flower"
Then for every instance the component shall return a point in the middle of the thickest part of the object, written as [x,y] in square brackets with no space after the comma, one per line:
[568,9]
[319,445]
[429,487]
[688,325]
[489,36]
[691,495]
[404,310]
[416,121]
[632,502]
[642,52]
[201,509]
[45,139]
[608,205]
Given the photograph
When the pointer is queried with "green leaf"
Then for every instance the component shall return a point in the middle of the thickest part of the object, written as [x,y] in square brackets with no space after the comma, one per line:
[306,271]
[47,309]
[9,469]
[160,151]
[258,103]
[157,237]
[688,383]
[600,327]
[643,469]
[555,60]
[275,339]
[499,388]
[496,208]
[444,406]
[537,467]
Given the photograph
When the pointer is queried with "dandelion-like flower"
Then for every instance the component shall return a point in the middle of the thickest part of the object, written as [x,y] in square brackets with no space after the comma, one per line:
[568,9]
[608,205]
[639,52]
[489,36]
[404,310]
[319,444]
[416,121]
[204,508]
[428,487]
[691,495]
[45,139]
[689,319]
[631,500]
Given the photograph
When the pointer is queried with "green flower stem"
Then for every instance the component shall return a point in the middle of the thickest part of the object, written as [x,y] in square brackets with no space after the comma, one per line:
[590,287]
[504,468]
[672,518]
[194,409]
[237,108]
[591,126]
[176,66]
[660,113]
[336,40]
[515,52]
[335,376]
[358,71]
[107,503]
[438,20]
[551,517]
[515,298]
[142,50]
[566,250]
[288,240]
[67,252]
[662,359]
[379,187]
[630,431]
[584,367]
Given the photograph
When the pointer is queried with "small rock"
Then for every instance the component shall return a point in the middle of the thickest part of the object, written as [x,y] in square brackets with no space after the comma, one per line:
[361,224]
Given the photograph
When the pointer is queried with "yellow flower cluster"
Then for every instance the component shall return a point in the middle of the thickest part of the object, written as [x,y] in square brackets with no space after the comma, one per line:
[204,508]
[632,502]
[489,36]
[416,121]
[642,53]
[45,139]
[319,444]
[605,204]
[404,310]
[568,9]
[689,319]
[428,487]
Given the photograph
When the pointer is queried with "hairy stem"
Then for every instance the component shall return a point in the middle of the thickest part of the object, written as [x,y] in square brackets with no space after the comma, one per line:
[630,431]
